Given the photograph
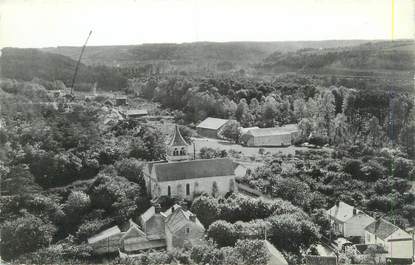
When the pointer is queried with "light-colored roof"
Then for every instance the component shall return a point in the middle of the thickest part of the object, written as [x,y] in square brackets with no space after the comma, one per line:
[179,218]
[245,130]
[382,228]
[212,123]
[177,138]
[201,168]
[133,231]
[104,234]
[136,112]
[286,129]
[342,213]
[275,258]
[148,214]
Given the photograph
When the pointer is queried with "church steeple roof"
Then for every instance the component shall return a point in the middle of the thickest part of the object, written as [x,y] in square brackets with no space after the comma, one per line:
[177,139]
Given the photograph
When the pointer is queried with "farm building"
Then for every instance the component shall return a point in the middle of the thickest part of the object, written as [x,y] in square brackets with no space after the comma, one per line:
[277,136]
[210,127]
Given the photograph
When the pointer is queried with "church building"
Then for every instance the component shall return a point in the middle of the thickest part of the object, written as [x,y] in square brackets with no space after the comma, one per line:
[183,177]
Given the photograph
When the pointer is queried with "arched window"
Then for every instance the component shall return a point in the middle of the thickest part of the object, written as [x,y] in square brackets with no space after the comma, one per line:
[175,152]
[168,190]
[187,189]
[182,151]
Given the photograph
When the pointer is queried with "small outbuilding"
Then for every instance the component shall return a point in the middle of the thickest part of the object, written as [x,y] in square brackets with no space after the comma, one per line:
[210,127]
[107,241]
[121,101]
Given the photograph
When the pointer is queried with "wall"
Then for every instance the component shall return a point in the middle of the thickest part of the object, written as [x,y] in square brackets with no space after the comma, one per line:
[183,238]
[271,140]
[400,244]
[209,133]
[197,185]
[155,226]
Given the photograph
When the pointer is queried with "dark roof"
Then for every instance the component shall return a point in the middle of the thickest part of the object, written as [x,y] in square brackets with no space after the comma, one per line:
[320,260]
[212,123]
[203,168]
[381,228]
[177,139]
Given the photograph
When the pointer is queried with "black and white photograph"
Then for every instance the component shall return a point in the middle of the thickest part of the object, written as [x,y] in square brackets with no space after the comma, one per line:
[207,132]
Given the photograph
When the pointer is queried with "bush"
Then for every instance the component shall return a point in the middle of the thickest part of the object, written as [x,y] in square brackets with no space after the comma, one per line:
[25,234]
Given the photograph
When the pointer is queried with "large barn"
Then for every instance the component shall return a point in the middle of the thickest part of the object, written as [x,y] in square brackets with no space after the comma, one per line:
[277,136]
[210,127]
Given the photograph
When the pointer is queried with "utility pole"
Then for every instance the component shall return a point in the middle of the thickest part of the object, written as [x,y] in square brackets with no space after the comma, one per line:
[78,62]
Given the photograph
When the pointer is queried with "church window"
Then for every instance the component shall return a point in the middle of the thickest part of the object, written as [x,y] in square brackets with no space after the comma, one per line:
[175,152]
[168,190]
[182,151]
[187,189]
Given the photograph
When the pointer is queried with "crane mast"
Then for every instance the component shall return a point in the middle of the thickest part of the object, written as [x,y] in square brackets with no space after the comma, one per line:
[78,62]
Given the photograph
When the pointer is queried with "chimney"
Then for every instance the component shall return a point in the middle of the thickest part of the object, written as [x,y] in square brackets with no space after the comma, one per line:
[192,217]
[183,204]
[157,208]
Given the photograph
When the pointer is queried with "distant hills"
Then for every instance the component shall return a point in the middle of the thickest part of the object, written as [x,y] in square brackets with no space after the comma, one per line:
[192,53]
[385,57]
[110,66]
[26,64]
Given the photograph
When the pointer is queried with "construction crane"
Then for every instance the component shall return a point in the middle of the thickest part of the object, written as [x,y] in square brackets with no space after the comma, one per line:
[78,62]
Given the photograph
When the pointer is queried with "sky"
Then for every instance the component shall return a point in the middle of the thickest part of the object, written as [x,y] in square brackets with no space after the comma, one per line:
[49,23]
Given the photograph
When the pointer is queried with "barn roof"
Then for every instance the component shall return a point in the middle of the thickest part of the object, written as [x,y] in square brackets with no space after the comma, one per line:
[341,212]
[212,123]
[104,234]
[202,168]
[286,129]
[148,214]
[382,228]
[177,138]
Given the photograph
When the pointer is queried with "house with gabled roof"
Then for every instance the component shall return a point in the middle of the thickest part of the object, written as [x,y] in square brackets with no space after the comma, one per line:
[397,242]
[135,240]
[183,229]
[276,136]
[182,177]
[348,221]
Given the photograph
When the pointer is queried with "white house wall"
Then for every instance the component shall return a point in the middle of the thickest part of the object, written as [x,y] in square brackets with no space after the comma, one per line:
[355,226]
[203,185]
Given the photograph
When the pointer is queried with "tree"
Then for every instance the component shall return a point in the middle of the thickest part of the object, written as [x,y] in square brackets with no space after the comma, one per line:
[231,130]
[293,232]
[25,234]
[252,252]
[206,209]
[299,106]
[326,113]
[340,129]
[269,111]
[290,189]
[131,169]
[223,233]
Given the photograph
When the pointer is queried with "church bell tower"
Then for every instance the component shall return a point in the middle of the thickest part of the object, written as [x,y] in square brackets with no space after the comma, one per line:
[177,149]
